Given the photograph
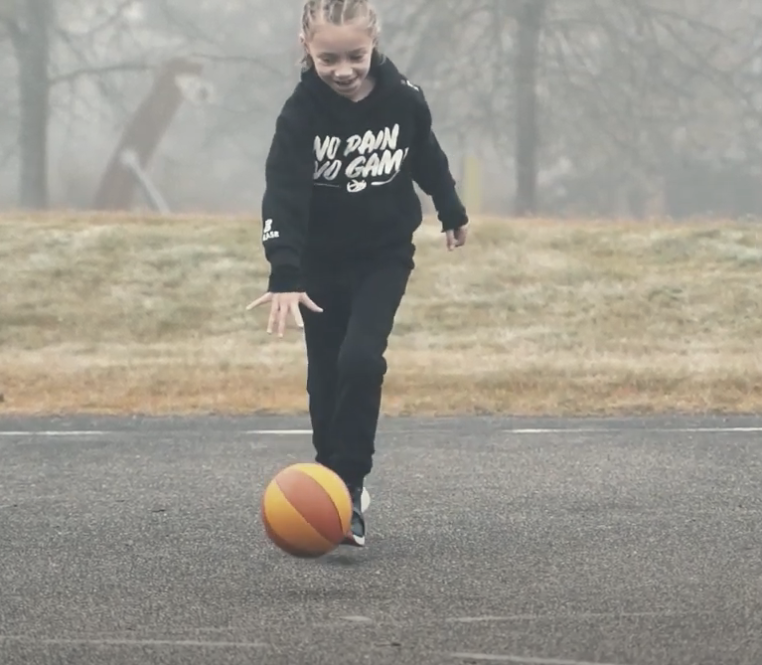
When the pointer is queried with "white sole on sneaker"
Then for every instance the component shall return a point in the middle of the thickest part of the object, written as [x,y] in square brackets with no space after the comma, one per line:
[350,539]
[359,541]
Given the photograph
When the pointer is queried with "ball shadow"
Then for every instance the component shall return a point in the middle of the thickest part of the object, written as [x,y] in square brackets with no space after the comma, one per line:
[343,560]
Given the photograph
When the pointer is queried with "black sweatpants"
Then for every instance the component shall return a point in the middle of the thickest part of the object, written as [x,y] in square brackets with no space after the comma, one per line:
[346,343]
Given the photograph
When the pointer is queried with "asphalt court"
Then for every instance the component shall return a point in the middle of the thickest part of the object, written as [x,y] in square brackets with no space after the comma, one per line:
[528,541]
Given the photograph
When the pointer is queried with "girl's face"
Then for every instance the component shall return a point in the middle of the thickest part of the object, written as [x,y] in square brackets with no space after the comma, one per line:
[342,56]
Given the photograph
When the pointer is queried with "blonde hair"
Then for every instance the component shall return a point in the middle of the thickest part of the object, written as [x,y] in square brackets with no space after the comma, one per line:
[337,12]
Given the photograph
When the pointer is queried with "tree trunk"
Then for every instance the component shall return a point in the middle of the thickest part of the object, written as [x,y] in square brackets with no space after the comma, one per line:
[529,27]
[30,36]
[143,133]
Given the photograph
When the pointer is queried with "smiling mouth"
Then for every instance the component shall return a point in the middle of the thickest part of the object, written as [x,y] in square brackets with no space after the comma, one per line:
[345,84]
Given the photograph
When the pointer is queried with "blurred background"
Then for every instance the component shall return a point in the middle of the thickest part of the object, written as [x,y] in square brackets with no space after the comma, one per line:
[615,108]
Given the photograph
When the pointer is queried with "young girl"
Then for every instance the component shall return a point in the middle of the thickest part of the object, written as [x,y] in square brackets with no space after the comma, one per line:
[339,213]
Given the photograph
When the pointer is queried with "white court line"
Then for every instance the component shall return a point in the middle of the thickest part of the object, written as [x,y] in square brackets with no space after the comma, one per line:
[306,432]
[550,430]
[576,616]
[89,432]
[519,660]
[133,643]
[278,432]
[583,430]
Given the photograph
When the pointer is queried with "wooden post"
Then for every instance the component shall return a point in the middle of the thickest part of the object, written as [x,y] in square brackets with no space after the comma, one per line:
[143,134]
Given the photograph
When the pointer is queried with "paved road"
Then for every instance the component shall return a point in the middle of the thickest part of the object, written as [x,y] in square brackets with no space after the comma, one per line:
[625,542]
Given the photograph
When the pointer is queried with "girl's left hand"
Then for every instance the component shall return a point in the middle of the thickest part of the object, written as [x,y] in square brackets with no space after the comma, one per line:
[456,238]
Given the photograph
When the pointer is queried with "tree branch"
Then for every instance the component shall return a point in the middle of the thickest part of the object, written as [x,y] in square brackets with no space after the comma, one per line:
[100,70]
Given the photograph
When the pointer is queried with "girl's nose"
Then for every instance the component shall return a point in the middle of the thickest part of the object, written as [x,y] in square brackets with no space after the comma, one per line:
[343,70]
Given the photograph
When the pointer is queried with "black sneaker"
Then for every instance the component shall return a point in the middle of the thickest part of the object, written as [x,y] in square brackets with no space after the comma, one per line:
[356,534]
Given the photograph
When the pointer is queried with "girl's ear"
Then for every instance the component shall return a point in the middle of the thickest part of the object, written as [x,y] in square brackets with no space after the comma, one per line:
[303,42]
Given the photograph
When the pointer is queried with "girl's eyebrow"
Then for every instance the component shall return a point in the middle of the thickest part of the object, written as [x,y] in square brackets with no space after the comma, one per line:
[357,51]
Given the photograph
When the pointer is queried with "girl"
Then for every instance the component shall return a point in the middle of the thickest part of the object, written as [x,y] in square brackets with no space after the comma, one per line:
[339,213]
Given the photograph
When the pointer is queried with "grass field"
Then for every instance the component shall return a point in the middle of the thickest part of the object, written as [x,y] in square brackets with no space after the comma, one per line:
[127,314]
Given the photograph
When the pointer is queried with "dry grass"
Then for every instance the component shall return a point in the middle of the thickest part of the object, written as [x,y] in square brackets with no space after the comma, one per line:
[118,314]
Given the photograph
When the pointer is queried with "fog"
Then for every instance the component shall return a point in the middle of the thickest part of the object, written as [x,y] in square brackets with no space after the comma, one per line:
[612,108]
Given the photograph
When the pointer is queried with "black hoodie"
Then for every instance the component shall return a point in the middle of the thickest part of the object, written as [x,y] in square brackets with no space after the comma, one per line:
[339,175]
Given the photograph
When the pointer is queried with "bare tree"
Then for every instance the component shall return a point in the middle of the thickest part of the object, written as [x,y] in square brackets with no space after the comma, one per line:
[529,24]
[28,23]
[574,106]
[640,82]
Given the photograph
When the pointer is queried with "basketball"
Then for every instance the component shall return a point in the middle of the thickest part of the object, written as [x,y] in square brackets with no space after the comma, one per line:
[306,510]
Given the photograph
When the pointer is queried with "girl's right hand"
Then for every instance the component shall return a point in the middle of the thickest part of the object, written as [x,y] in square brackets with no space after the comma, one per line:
[281,305]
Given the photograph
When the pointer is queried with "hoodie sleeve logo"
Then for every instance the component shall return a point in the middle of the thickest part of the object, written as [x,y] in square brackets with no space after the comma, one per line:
[267,231]
[372,158]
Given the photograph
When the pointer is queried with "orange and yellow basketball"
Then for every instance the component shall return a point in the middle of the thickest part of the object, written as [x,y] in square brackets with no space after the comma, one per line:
[306,510]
